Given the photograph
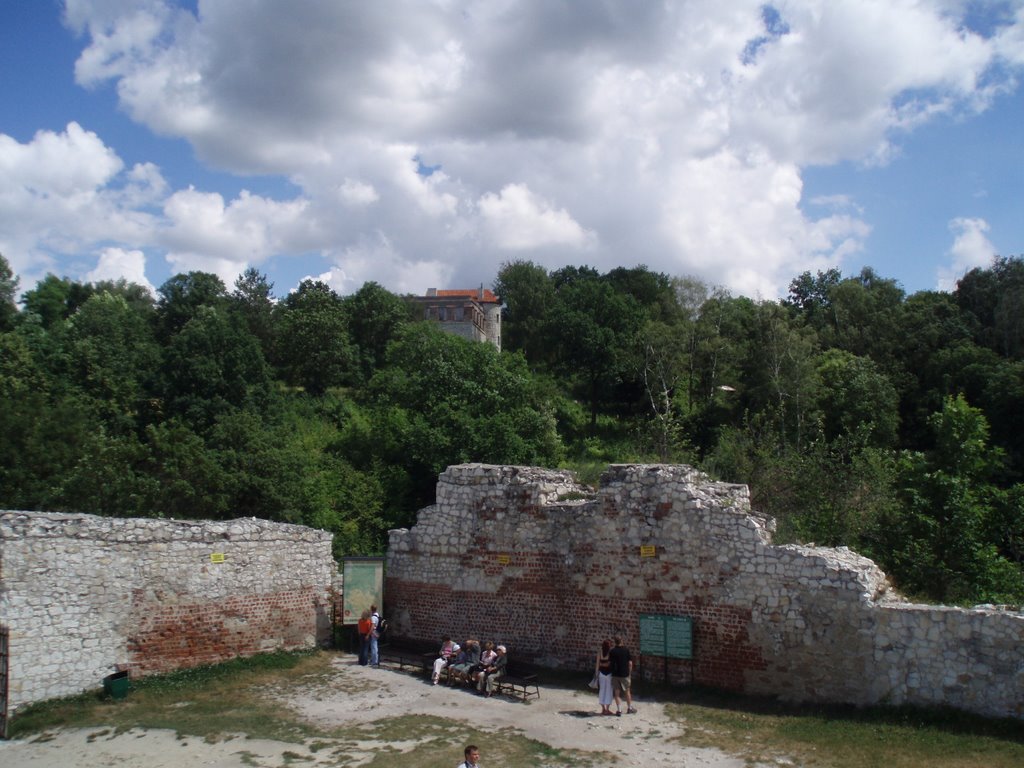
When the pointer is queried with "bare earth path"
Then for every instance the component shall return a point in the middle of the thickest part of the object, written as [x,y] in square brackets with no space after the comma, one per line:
[354,695]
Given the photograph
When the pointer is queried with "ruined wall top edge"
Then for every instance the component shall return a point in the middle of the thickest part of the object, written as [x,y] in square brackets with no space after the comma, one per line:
[23,524]
[504,474]
[619,483]
[615,475]
[522,474]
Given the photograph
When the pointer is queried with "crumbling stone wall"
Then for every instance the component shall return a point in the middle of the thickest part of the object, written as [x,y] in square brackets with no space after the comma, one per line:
[515,555]
[84,596]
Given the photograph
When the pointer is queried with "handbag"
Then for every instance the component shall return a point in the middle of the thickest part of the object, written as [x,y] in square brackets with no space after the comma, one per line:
[593,682]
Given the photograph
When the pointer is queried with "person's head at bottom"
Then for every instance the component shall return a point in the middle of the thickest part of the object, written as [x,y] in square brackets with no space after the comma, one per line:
[472,754]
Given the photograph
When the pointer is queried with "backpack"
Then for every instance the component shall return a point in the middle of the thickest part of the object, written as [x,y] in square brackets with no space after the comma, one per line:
[382,626]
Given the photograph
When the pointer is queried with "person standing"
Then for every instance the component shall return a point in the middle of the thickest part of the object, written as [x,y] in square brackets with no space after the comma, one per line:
[374,637]
[622,669]
[365,629]
[603,670]
[472,755]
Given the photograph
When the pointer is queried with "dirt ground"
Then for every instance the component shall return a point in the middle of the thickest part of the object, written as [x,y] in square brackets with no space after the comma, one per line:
[354,695]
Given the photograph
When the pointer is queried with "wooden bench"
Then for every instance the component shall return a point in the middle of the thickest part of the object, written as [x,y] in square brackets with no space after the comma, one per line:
[452,677]
[523,686]
[404,659]
[520,681]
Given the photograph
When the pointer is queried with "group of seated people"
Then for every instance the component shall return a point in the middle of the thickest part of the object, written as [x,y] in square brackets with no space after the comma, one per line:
[469,663]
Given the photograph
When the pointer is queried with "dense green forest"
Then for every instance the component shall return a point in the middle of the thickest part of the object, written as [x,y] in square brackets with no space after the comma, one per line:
[858,415]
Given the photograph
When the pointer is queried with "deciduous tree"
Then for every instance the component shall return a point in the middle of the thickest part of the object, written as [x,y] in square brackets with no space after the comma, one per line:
[314,350]
[181,297]
[8,295]
[374,318]
[528,295]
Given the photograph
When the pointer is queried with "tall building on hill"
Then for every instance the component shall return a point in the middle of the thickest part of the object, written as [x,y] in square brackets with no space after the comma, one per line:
[472,313]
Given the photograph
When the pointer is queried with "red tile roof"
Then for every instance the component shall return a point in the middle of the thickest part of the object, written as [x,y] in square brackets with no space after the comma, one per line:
[470,293]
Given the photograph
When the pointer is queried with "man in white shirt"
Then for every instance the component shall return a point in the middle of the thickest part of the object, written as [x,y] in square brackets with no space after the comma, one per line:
[472,755]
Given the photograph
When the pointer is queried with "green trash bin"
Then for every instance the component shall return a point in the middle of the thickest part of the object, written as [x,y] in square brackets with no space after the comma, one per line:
[116,685]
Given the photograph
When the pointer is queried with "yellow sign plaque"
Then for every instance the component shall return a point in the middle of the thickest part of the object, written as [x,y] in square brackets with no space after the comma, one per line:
[648,550]
[216,557]
[504,559]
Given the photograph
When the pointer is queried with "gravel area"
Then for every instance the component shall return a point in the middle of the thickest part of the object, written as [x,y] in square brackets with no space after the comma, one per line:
[352,694]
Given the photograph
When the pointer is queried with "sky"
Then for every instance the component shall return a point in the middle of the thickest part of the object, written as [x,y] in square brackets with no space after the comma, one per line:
[423,144]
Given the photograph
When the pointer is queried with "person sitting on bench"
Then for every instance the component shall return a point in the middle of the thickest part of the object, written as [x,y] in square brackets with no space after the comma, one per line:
[445,655]
[490,676]
[467,658]
[486,659]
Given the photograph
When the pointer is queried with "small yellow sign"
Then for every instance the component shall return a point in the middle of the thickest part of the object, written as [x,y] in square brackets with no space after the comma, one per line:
[648,550]
[504,559]
[216,557]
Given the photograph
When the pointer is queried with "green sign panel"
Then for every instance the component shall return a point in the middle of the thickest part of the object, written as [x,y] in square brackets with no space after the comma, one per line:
[363,586]
[669,636]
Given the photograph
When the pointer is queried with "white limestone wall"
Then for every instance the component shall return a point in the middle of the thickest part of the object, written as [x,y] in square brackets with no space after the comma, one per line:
[77,592]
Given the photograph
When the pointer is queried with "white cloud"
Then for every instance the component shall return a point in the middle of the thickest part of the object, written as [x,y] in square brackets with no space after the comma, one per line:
[971,248]
[354,192]
[374,256]
[425,192]
[144,186]
[61,193]
[737,222]
[117,264]
[335,277]
[517,220]
[152,51]
[428,141]
[848,73]
[202,229]
[1009,40]
[67,165]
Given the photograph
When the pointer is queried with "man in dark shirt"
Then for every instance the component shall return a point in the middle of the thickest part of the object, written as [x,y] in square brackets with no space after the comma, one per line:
[622,668]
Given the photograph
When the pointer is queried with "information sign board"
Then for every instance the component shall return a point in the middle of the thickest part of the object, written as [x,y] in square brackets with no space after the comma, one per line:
[363,586]
[668,636]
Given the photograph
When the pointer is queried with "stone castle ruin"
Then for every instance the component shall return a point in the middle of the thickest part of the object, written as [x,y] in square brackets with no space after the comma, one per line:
[520,555]
[527,557]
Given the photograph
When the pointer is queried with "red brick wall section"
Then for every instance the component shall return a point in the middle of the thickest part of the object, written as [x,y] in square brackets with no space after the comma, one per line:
[576,625]
[171,637]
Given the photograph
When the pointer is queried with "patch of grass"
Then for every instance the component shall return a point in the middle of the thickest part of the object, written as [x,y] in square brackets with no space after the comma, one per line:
[207,702]
[847,737]
[431,742]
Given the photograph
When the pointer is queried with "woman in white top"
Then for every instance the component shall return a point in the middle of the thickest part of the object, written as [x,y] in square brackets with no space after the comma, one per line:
[445,655]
